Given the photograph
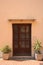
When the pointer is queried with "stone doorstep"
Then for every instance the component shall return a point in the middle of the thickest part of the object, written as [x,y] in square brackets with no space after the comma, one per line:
[21,58]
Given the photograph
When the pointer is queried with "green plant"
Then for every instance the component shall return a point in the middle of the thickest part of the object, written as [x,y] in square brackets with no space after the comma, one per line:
[6,49]
[37,46]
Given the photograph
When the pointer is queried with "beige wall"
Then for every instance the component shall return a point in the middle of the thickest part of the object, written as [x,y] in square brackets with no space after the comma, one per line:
[20,9]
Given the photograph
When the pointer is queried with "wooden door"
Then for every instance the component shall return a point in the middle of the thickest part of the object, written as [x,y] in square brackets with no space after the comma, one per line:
[21,39]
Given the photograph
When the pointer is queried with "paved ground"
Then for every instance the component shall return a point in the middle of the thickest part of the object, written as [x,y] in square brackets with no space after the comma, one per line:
[20,62]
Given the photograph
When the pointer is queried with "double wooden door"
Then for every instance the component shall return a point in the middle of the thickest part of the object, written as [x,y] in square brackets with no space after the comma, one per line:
[21,39]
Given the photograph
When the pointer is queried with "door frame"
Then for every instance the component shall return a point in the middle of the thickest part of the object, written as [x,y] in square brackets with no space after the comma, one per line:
[12,35]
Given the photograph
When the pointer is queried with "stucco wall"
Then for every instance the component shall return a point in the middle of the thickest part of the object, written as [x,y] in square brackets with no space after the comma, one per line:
[20,9]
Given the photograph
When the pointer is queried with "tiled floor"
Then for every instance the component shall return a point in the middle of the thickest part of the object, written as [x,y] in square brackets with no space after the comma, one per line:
[20,62]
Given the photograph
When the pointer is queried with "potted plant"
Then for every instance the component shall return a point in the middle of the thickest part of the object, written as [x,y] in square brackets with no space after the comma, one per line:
[37,46]
[6,52]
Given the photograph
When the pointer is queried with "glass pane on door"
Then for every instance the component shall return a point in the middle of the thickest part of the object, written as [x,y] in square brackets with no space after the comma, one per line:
[15,29]
[27,29]
[16,44]
[27,44]
[27,35]
[15,36]
[22,29]
[22,44]
[22,36]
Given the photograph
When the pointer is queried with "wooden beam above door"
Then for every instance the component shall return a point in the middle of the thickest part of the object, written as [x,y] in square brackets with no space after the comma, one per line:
[21,20]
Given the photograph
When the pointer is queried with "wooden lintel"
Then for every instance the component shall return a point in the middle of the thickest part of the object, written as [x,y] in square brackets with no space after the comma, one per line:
[21,20]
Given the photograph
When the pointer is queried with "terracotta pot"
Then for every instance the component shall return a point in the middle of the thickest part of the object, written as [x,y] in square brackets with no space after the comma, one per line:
[38,56]
[6,56]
